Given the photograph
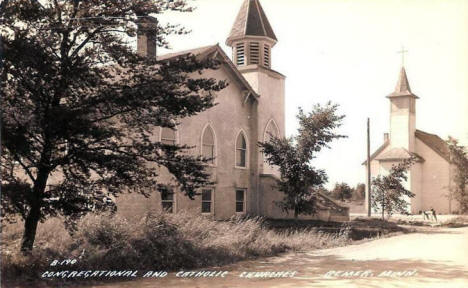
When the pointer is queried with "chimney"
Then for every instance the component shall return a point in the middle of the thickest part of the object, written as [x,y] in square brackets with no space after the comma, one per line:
[385,137]
[146,37]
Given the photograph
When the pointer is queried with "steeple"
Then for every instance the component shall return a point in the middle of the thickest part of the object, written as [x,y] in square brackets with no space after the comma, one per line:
[402,114]
[251,36]
[251,21]
[402,88]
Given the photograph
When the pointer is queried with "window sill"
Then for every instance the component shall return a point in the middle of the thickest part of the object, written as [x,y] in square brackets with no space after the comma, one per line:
[241,168]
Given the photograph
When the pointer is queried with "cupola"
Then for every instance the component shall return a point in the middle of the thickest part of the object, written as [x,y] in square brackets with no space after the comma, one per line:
[251,36]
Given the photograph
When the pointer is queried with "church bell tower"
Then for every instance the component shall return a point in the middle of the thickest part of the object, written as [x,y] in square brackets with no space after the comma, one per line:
[252,40]
[251,36]
[402,114]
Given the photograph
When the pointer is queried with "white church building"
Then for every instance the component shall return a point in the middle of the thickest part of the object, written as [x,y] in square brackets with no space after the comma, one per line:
[430,178]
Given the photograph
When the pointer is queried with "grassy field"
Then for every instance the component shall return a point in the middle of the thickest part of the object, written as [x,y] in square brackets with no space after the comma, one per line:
[157,242]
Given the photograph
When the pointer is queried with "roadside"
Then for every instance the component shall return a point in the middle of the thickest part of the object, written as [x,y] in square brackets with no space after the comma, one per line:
[411,260]
[174,241]
[183,241]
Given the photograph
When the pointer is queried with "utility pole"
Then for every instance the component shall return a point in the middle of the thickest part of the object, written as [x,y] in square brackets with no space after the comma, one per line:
[368,171]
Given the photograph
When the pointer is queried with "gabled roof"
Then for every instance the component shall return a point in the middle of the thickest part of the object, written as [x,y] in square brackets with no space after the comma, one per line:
[216,51]
[326,203]
[435,143]
[398,154]
[196,52]
[402,88]
[378,151]
[251,21]
[431,140]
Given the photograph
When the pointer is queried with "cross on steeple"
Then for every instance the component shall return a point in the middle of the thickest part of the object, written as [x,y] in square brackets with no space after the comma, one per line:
[402,52]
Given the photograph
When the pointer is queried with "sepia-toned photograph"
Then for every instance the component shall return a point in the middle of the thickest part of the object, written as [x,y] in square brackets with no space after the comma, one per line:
[234,144]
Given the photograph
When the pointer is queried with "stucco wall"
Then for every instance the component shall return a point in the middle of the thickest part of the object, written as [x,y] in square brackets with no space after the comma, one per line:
[434,180]
[415,173]
[227,119]
[375,170]
[270,86]
[384,167]
[429,180]
[402,123]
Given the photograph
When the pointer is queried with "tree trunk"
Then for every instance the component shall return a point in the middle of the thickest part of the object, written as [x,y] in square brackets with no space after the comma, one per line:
[31,221]
[30,227]
[296,213]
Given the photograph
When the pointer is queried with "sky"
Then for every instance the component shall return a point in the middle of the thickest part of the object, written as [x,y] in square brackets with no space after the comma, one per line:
[346,52]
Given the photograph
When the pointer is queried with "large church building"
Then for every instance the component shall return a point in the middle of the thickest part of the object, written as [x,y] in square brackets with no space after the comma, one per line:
[248,110]
[431,177]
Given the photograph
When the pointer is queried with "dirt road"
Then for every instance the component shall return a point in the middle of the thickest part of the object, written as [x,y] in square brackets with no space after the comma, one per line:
[437,258]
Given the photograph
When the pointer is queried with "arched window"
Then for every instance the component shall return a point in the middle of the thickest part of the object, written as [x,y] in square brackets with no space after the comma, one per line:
[168,136]
[241,151]
[271,131]
[208,144]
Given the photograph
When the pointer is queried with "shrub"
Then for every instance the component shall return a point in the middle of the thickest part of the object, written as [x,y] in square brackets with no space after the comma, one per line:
[158,242]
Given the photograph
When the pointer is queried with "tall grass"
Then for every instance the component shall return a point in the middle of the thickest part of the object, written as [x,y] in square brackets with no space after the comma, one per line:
[157,242]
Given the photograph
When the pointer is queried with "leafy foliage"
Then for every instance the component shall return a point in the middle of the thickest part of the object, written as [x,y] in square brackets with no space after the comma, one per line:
[359,192]
[389,193]
[300,181]
[342,191]
[80,107]
[459,158]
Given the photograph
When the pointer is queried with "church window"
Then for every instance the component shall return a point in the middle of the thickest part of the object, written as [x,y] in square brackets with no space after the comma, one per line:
[168,136]
[167,201]
[240,200]
[207,199]
[254,53]
[271,131]
[266,55]
[208,144]
[241,151]
[240,54]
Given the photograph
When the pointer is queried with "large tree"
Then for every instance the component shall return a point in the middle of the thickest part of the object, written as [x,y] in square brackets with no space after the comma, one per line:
[459,158]
[388,191]
[300,179]
[80,107]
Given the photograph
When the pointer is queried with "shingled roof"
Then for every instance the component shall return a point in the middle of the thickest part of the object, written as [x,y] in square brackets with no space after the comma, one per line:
[398,154]
[251,21]
[402,88]
[378,151]
[435,143]
[213,50]
[196,52]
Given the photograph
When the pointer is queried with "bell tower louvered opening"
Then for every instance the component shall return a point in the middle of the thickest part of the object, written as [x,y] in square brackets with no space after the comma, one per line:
[266,55]
[239,54]
[251,36]
[254,53]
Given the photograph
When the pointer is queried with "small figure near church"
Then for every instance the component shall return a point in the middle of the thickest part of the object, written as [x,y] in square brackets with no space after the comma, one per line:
[429,214]
[434,214]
